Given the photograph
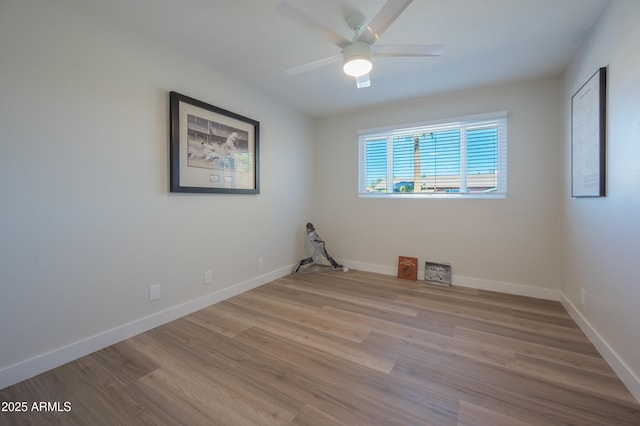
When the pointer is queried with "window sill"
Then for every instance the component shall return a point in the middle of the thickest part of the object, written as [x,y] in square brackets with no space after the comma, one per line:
[423,196]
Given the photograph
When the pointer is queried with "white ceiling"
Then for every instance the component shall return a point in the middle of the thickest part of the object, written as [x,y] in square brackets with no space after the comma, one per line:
[487,41]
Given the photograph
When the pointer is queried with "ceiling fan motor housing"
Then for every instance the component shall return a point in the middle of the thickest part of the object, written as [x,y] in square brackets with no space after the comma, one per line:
[357,58]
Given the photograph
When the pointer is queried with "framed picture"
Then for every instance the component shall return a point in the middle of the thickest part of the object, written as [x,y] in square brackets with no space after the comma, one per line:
[212,149]
[588,137]
[437,273]
[408,268]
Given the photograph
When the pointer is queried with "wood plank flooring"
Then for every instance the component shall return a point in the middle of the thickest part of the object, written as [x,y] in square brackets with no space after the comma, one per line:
[343,349]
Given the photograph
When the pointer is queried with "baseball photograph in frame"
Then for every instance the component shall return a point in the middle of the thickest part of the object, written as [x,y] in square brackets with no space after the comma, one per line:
[212,149]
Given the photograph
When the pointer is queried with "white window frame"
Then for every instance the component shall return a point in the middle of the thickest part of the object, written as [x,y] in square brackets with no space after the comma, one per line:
[465,122]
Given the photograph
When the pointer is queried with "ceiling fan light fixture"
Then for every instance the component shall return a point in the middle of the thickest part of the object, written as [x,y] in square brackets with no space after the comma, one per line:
[357,59]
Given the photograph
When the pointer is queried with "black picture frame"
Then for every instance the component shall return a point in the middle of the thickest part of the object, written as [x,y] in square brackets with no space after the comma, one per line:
[589,137]
[212,150]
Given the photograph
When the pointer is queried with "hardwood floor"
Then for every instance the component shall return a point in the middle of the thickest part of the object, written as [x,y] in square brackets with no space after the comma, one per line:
[343,349]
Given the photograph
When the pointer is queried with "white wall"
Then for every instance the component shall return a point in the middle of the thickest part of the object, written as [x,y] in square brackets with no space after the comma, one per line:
[603,234]
[86,219]
[508,244]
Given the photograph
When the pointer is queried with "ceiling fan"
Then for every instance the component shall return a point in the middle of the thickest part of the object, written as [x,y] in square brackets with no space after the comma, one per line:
[357,53]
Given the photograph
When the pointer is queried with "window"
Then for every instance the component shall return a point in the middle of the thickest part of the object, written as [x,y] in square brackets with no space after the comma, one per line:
[464,157]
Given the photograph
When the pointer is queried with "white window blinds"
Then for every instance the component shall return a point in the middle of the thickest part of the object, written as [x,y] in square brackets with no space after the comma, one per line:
[458,158]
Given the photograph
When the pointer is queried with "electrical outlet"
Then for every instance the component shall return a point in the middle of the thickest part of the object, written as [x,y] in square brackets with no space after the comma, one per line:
[583,299]
[208,277]
[261,262]
[154,292]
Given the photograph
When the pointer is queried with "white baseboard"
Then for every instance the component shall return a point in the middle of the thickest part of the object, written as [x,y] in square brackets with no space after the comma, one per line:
[622,370]
[39,364]
[370,267]
[509,288]
[462,281]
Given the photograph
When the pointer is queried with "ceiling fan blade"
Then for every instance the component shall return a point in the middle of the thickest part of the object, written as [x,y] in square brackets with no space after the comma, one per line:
[286,10]
[313,65]
[385,17]
[395,50]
